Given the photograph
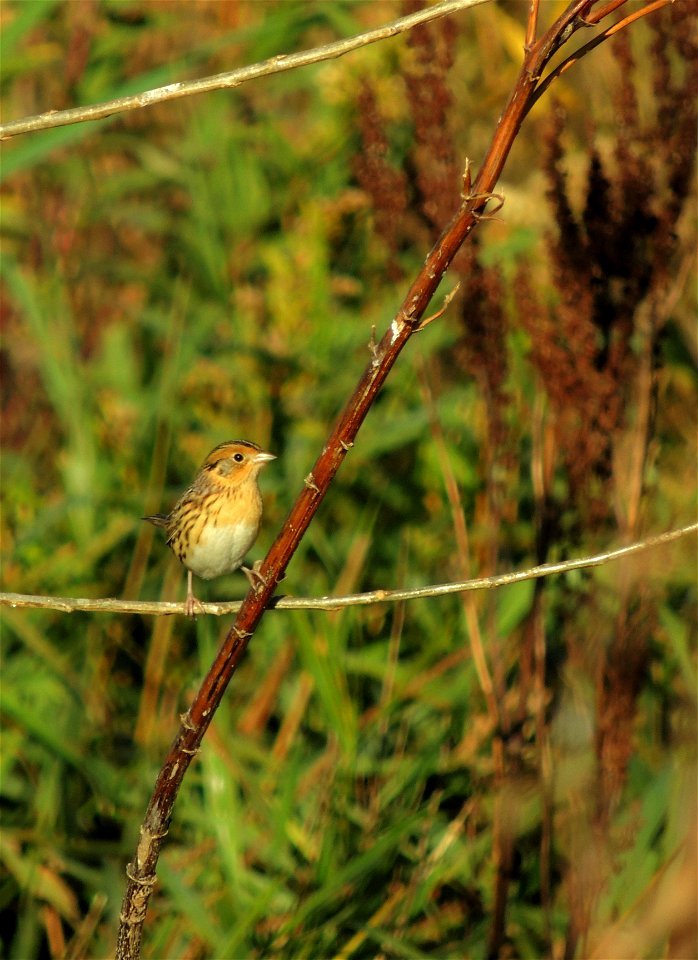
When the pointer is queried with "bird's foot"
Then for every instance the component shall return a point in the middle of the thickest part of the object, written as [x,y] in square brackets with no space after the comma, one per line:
[192,606]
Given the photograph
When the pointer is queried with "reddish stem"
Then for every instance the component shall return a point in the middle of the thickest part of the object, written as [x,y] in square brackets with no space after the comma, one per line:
[598,15]
[531,24]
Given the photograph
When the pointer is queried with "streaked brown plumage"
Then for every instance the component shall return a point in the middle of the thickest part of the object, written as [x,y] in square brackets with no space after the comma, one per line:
[216,520]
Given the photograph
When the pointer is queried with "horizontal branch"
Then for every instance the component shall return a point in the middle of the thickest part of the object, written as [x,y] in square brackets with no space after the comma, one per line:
[145,607]
[232,78]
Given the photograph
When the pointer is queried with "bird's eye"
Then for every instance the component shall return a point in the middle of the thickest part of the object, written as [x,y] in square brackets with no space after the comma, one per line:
[238,457]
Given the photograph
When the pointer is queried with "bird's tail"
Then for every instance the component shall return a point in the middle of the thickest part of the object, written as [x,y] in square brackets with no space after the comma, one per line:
[157,519]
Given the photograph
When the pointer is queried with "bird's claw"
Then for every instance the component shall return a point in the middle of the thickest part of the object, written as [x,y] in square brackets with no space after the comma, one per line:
[192,606]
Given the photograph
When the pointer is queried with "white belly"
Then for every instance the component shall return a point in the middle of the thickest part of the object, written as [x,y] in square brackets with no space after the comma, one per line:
[221,550]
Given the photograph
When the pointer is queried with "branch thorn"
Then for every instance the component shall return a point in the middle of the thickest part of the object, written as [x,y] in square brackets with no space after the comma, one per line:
[439,313]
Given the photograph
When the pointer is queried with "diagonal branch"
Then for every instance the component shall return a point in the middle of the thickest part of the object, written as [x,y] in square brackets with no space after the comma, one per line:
[141,871]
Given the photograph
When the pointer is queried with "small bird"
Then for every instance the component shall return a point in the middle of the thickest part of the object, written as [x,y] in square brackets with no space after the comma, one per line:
[216,520]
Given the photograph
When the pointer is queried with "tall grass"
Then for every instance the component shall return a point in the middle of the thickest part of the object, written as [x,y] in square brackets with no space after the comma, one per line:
[211,269]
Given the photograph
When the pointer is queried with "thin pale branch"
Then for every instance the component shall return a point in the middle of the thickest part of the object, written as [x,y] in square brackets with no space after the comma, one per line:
[147,608]
[232,78]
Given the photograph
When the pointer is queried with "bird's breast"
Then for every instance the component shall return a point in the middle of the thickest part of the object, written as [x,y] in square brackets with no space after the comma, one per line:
[220,549]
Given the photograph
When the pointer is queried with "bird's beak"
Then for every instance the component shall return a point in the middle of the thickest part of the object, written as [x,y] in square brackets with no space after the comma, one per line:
[263,457]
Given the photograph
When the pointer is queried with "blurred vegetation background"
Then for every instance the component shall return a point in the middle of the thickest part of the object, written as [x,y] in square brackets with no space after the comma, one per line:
[510,774]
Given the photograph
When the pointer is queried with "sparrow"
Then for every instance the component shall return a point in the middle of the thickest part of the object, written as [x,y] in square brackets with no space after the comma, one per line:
[216,520]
